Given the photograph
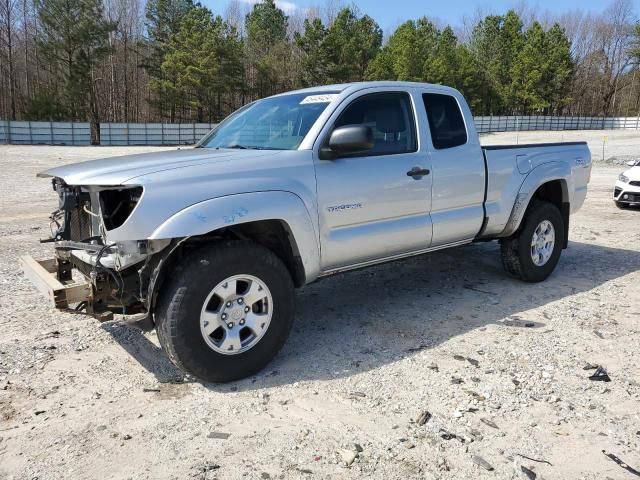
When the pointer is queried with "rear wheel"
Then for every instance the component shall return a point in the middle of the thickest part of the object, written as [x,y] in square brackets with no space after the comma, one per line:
[226,311]
[533,253]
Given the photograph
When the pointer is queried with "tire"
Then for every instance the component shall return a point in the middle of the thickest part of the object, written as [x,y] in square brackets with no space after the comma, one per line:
[181,308]
[516,251]
[621,205]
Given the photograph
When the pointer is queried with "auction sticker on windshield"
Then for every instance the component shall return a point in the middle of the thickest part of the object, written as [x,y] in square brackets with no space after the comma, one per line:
[324,98]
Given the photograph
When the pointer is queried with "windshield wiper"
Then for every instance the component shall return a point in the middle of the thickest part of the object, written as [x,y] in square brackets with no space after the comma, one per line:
[235,145]
[248,147]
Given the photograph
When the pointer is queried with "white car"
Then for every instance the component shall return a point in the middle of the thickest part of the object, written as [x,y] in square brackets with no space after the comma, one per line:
[627,189]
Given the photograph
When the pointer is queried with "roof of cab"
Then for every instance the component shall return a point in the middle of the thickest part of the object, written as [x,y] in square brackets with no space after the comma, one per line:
[355,86]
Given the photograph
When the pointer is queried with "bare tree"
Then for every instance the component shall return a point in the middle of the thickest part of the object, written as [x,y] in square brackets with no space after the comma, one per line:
[613,39]
[26,17]
[7,20]
[330,11]
[469,22]
[234,15]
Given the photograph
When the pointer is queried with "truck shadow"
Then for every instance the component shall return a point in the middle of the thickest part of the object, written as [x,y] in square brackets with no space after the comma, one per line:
[366,319]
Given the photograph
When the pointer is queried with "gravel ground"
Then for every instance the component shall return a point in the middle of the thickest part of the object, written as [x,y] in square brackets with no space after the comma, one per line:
[435,367]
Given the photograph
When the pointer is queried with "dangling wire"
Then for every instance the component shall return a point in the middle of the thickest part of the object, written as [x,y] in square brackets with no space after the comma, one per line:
[119,281]
[84,207]
[55,217]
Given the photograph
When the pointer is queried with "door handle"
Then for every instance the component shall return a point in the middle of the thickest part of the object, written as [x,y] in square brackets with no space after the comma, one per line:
[417,172]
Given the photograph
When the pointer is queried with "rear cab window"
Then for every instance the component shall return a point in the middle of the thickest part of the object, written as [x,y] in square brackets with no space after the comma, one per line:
[446,122]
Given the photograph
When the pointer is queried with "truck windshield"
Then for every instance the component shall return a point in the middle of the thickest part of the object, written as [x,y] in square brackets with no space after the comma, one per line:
[276,123]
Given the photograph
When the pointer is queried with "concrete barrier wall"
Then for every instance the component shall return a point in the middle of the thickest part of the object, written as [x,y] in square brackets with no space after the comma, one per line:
[78,133]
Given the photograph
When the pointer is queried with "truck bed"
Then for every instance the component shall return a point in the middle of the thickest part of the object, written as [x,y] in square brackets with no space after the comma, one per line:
[508,166]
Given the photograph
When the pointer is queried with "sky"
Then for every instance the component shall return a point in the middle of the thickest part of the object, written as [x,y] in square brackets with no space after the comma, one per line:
[390,13]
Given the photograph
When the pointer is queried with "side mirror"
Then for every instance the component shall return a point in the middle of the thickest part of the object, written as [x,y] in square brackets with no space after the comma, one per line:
[633,163]
[347,140]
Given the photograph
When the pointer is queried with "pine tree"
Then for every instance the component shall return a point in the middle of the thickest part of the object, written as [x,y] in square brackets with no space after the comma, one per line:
[267,49]
[74,40]
[559,69]
[163,22]
[542,70]
[485,47]
[512,41]
[471,79]
[443,68]
[351,43]
[392,63]
[164,18]
[527,73]
[205,59]
[340,53]
[495,43]
[266,25]
[407,55]
[315,58]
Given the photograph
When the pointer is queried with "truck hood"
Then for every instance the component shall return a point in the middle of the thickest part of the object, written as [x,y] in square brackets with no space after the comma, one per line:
[121,170]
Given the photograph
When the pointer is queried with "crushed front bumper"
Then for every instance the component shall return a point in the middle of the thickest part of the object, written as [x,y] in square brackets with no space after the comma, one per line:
[98,288]
[54,279]
[44,276]
[97,276]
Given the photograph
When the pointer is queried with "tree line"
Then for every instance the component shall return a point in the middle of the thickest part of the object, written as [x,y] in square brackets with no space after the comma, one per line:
[176,61]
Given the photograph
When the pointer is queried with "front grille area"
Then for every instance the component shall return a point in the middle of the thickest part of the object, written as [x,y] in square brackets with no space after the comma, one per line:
[72,217]
[635,183]
[79,224]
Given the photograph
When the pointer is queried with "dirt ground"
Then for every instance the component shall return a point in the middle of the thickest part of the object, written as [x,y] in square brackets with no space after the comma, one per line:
[497,364]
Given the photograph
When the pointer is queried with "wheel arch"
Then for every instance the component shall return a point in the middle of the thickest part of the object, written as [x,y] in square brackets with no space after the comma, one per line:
[551,183]
[279,213]
[255,217]
[273,234]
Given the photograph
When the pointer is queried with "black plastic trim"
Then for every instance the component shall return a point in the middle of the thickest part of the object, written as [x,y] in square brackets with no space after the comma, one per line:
[565,210]
[485,220]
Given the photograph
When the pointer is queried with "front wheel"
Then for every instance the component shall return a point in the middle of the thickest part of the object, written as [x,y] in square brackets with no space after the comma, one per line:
[226,311]
[622,206]
[533,253]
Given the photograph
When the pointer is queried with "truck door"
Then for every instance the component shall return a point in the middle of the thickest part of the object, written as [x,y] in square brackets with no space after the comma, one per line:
[375,205]
[458,179]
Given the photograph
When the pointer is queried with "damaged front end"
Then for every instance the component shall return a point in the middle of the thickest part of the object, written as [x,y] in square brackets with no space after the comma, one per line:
[88,271]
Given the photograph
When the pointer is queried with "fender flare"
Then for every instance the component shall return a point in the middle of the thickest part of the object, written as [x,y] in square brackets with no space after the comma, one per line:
[547,172]
[227,211]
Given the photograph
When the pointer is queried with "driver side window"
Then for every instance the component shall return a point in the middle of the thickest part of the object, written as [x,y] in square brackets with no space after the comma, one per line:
[390,117]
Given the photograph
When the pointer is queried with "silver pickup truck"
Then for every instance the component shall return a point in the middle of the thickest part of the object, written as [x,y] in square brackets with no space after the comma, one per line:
[210,242]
